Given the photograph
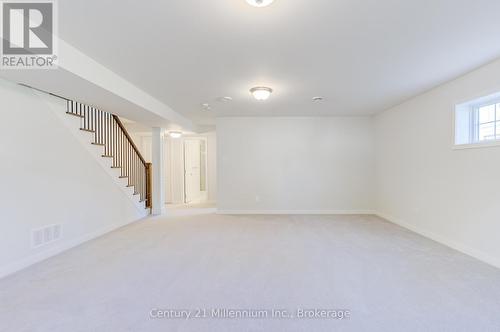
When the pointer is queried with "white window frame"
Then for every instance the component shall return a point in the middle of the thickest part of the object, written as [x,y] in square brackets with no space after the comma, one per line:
[475,124]
[469,112]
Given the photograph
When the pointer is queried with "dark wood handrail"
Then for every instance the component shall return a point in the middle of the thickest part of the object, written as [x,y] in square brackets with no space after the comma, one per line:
[110,133]
[122,127]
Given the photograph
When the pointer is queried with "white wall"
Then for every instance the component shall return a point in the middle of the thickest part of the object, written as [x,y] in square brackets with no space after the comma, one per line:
[48,177]
[212,166]
[174,164]
[295,165]
[424,184]
[143,142]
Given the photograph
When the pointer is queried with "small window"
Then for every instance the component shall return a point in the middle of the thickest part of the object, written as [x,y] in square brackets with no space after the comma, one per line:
[478,121]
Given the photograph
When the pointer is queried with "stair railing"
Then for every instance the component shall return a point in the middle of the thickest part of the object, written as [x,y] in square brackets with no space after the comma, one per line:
[117,144]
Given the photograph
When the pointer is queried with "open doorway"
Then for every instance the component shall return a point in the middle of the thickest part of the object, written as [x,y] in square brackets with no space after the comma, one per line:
[190,165]
[191,170]
[195,170]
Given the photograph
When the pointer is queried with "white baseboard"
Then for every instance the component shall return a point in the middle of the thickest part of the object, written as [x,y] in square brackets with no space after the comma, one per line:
[57,249]
[296,212]
[482,256]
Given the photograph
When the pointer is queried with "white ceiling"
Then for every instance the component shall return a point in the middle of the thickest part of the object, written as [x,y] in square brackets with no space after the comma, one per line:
[363,56]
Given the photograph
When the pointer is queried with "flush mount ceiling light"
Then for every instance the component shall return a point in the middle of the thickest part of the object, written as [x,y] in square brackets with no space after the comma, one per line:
[175,134]
[224,99]
[318,99]
[261,92]
[260,3]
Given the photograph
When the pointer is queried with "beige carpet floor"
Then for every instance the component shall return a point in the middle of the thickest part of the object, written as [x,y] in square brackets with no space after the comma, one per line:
[389,279]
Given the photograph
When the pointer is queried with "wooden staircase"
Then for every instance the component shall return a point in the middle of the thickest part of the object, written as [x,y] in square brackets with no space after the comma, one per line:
[109,132]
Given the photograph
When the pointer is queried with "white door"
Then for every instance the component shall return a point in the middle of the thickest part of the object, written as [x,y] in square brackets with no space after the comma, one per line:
[192,171]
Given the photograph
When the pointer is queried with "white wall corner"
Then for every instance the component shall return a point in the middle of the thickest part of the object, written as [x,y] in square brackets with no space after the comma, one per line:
[158,190]
[477,254]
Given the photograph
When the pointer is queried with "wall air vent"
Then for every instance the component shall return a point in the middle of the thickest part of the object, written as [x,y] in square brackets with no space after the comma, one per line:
[45,235]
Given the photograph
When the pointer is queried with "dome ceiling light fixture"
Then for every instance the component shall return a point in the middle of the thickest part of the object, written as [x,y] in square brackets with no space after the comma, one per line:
[224,99]
[175,134]
[318,99]
[261,93]
[260,3]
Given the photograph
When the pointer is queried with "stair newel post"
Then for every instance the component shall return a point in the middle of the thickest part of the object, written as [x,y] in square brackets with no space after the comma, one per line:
[121,164]
[143,183]
[149,185]
[115,150]
[136,179]
[129,168]
[133,172]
